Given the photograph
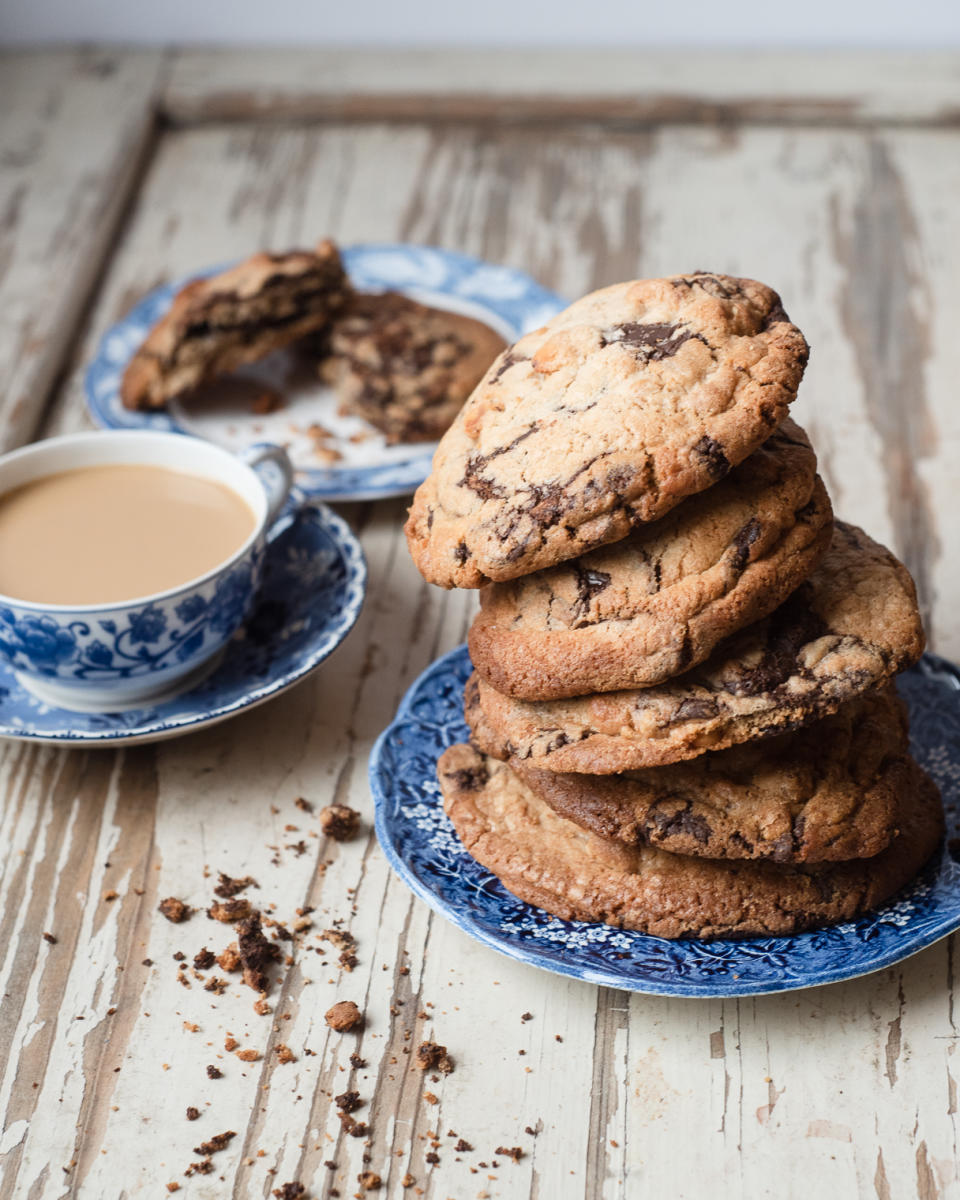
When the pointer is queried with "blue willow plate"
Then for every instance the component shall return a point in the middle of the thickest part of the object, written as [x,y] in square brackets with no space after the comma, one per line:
[367,468]
[422,847]
[314,580]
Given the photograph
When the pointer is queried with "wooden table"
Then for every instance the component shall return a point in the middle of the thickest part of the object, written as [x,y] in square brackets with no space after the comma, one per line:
[835,178]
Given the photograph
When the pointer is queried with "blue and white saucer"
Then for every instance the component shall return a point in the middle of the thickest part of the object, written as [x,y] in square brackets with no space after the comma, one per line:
[508,300]
[314,580]
[422,847]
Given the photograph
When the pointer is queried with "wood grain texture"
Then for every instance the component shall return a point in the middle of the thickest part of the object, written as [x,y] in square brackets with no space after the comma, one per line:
[848,1090]
[652,87]
[74,129]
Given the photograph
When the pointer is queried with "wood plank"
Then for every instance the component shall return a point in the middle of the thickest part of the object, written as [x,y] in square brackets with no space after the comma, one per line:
[646,86]
[74,127]
[850,1087]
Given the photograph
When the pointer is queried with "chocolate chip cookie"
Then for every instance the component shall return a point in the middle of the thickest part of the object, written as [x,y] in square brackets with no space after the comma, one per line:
[631,399]
[239,316]
[404,367]
[849,627]
[577,875]
[657,603]
[825,793]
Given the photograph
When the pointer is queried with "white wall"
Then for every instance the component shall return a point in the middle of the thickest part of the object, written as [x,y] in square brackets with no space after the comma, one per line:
[886,23]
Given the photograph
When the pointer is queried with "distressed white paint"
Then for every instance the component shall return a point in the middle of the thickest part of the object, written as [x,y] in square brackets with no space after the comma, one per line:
[845,1091]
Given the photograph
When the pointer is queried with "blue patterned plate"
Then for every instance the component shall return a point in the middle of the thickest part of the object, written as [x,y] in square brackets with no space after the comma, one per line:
[308,424]
[424,850]
[314,580]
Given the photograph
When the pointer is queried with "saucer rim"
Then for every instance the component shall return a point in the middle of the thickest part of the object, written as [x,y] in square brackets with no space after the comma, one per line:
[692,990]
[161,730]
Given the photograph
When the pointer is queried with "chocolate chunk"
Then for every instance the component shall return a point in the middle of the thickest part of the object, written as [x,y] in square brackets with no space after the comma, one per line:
[653,342]
[792,626]
[680,822]
[695,708]
[471,780]
[476,481]
[711,452]
[743,540]
[589,584]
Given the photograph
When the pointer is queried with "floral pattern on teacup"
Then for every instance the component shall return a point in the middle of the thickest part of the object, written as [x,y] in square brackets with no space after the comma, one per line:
[140,641]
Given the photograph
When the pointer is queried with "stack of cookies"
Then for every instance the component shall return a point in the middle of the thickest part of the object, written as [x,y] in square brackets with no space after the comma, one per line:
[683,719]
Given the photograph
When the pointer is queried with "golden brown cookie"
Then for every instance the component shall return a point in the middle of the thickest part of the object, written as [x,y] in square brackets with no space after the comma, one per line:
[631,399]
[404,367]
[657,603]
[849,627]
[576,875]
[825,793]
[239,316]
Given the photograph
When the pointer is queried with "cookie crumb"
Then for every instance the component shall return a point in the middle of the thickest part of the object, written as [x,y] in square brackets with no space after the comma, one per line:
[229,910]
[514,1152]
[432,1056]
[229,959]
[348,1101]
[175,910]
[408,1180]
[48,937]
[256,953]
[344,1016]
[214,1072]
[339,821]
[284,1053]
[193,1114]
[303,805]
[430,1098]
[248,1055]
[227,887]
[370,1181]
[290,1191]
[219,1141]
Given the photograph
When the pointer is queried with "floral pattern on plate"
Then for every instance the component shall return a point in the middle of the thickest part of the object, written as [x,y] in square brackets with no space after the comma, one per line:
[506,299]
[423,849]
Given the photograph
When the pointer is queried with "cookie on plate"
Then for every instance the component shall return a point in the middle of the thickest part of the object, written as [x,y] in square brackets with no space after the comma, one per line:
[849,627]
[631,399]
[826,793]
[575,874]
[404,367]
[239,316]
[657,603]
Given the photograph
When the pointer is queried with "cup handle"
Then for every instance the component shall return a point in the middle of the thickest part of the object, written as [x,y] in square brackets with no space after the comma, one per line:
[278,490]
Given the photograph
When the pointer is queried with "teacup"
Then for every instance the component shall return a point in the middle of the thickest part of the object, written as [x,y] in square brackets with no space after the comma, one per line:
[112,657]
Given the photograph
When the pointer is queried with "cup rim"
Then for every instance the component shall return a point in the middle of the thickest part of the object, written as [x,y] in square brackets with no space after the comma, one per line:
[136,435]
